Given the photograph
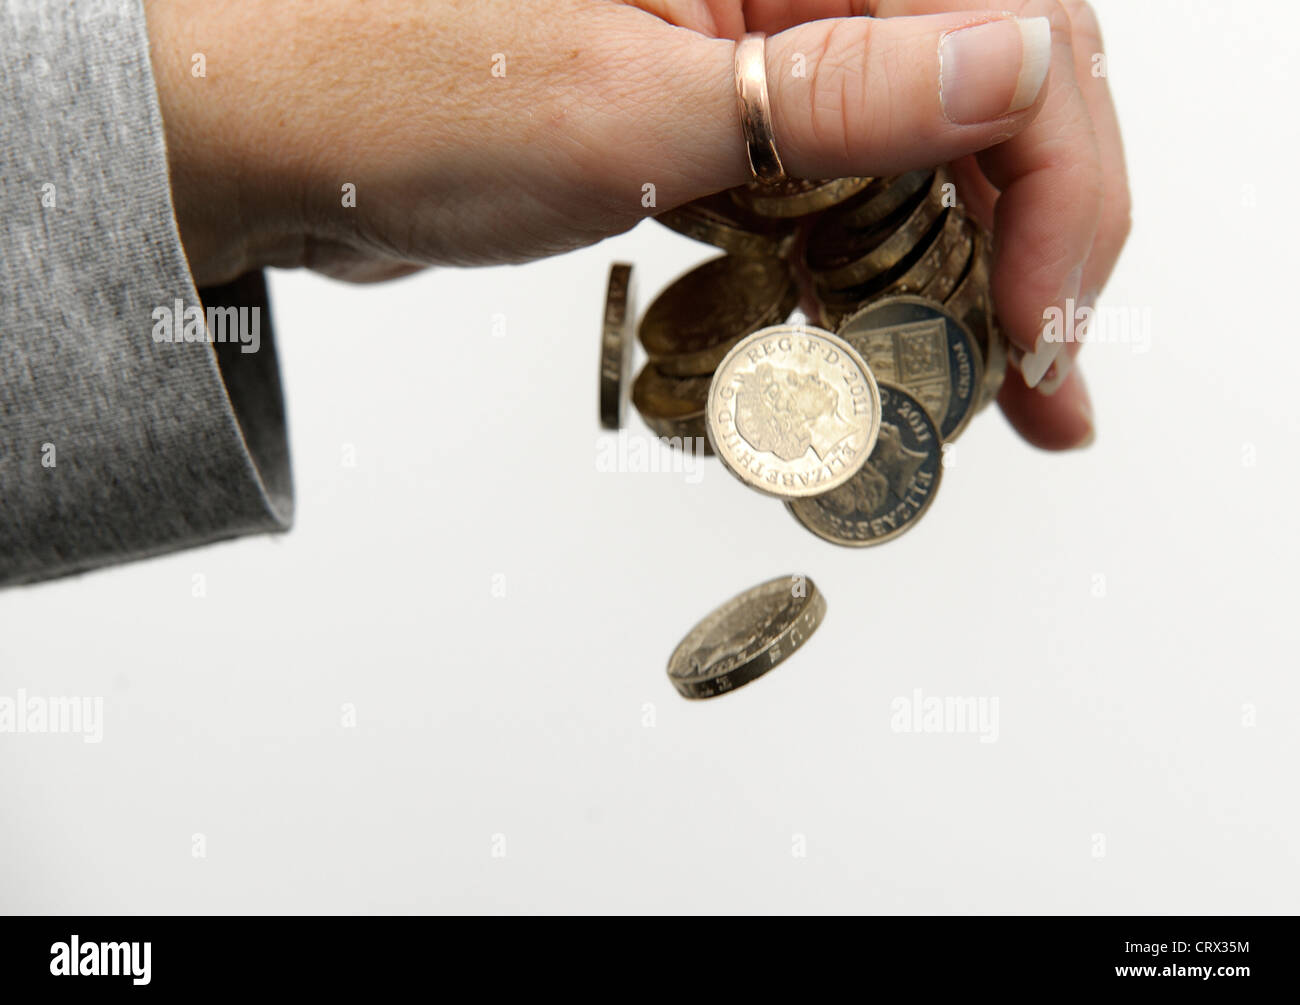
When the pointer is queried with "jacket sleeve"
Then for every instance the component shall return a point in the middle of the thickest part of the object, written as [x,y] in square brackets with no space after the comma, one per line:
[116,443]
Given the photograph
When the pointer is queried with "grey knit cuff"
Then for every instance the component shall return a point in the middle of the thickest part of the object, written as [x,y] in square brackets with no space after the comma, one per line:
[115,443]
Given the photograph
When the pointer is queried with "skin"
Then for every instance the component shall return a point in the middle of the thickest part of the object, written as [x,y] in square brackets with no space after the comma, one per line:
[455,166]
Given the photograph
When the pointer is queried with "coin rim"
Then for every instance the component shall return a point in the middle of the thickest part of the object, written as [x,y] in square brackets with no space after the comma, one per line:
[892,248]
[708,226]
[839,344]
[815,601]
[705,361]
[681,359]
[897,532]
[829,193]
[616,338]
[977,356]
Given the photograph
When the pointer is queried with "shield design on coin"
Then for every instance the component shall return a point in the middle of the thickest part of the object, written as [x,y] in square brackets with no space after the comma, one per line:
[914,355]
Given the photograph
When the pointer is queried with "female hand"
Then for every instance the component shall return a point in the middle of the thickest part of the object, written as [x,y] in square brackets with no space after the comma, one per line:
[487,131]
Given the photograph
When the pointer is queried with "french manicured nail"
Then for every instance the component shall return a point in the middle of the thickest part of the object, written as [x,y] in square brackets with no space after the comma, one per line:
[1065,362]
[1055,377]
[1072,288]
[993,69]
[1034,365]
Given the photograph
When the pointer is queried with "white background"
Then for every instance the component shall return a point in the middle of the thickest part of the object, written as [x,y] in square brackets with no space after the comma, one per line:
[524,715]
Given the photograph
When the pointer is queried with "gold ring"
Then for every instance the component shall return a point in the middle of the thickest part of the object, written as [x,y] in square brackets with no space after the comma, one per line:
[756,109]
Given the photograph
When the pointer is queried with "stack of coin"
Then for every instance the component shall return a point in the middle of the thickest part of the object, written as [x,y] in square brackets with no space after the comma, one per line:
[845,422]
[892,266]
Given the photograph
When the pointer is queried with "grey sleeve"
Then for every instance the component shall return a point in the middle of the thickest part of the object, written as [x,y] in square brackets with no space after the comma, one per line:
[115,443]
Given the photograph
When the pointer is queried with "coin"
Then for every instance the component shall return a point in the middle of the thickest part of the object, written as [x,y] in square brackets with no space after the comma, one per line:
[972,301]
[719,221]
[793,411]
[918,345]
[673,407]
[616,345]
[695,321]
[956,259]
[796,196]
[746,637]
[883,198]
[973,287]
[995,371]
[895,487]
[918,270]
[840,255]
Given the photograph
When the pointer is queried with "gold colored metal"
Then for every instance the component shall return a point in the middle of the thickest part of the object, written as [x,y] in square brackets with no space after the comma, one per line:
[694,322]
[746,637]
[797,197]
[719,221]
[841,256]
[883,198]
[922,268]
[919,346]
[894,489]
[793,411]
[755,108]
[956,259]
[672,407]
[616,345]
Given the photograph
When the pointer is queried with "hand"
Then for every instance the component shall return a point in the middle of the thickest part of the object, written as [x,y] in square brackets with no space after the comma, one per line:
[507,130]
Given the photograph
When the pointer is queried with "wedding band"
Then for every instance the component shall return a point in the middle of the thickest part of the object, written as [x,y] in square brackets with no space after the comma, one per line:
[756,109]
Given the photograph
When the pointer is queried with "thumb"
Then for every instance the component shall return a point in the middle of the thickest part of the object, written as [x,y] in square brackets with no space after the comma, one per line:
[859,96]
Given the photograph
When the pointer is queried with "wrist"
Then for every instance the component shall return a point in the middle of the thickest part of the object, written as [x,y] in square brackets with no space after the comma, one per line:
[234,209]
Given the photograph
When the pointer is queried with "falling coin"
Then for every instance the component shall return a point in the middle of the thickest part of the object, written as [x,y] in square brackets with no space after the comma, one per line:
[746,637]
[793,411]
[915,343]
[673,407]
[616,345]
[719,221]
[895,487]
[694,322]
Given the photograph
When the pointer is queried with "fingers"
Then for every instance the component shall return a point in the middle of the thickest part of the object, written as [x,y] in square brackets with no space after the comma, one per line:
[773,16]
[1052,192]
[732,18]
[849,96]
[1061,422]
[978,194]
[861,96]
[1113,228]
[1091,73]
[715,18]
[1048,214]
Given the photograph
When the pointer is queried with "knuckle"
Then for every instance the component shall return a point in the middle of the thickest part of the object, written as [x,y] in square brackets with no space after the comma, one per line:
[837,110]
